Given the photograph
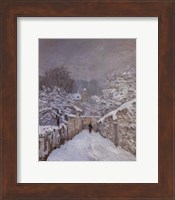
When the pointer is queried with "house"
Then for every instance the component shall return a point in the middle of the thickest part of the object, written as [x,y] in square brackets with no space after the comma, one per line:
[84,95]
[77,96]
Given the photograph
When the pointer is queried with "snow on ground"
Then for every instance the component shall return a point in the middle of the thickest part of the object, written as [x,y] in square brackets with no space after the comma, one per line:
[90,147]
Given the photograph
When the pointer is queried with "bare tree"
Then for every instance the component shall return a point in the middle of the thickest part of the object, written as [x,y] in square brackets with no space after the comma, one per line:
[59,77]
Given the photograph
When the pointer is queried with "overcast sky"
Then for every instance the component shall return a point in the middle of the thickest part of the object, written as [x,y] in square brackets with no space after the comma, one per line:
[87,58]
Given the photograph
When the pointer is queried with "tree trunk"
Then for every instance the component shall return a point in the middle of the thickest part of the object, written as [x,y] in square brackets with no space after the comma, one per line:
[116,139]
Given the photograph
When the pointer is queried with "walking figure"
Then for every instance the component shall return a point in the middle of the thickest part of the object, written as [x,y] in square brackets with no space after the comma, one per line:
[90,127]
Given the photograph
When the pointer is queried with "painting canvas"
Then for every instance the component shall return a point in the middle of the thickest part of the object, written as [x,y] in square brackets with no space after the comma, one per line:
[87,100]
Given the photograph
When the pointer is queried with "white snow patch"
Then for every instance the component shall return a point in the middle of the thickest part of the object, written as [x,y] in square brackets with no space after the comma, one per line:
[71,115]
[46,129]
[90,147]
[113,113]
[77,108]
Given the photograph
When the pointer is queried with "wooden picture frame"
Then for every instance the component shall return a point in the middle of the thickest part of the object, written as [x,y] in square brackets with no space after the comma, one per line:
[10,10]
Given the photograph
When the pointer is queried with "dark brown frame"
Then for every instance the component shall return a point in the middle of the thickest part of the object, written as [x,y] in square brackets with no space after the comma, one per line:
[10,10]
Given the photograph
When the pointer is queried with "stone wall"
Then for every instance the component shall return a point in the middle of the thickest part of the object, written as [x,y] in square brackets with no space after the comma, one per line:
[50,141]
[55,138]
[127,131]
[122,130]
[74,125]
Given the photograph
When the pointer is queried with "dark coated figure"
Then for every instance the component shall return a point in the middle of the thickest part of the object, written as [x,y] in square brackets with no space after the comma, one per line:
[90,127]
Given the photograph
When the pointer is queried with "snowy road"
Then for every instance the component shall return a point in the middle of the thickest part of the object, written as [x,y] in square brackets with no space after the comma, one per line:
[90,147]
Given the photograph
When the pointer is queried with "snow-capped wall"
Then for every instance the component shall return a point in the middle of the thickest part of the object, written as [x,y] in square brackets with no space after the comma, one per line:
[50,137]
[120,126]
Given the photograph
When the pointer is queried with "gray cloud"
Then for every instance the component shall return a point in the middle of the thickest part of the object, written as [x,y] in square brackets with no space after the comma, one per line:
[87,58]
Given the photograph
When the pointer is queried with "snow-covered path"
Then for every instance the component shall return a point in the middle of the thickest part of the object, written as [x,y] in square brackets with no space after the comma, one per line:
[89,147]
